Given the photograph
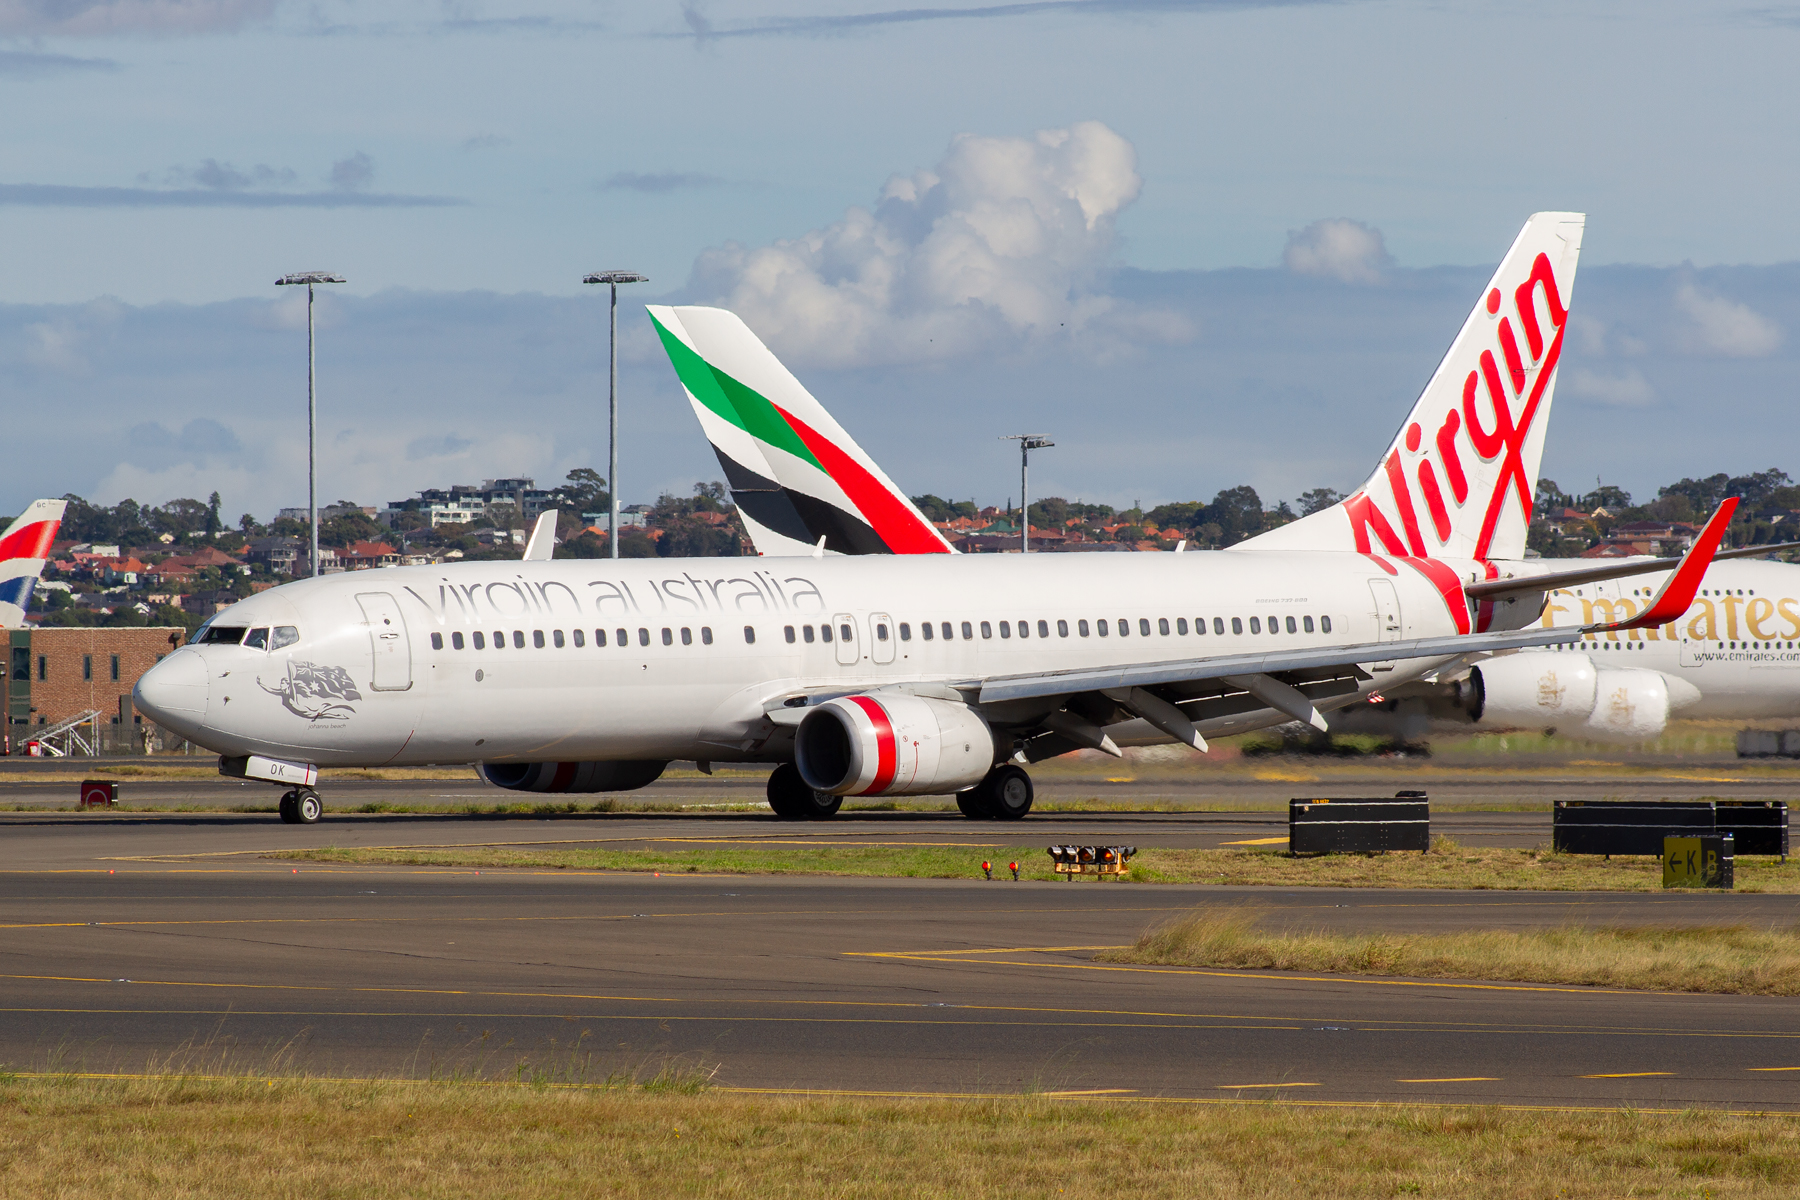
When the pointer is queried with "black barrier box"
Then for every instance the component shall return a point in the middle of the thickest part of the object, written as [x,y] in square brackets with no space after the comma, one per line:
[1627,827]
[1759,826]
[1334,826]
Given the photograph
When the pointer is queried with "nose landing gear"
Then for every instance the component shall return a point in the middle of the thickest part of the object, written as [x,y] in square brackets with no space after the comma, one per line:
[301,806]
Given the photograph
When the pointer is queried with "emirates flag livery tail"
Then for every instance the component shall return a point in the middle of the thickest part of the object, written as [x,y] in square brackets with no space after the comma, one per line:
[23,548]
[1456,482]
[796,475]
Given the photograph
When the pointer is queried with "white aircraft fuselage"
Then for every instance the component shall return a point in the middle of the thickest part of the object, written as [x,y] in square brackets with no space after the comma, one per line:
[524,661]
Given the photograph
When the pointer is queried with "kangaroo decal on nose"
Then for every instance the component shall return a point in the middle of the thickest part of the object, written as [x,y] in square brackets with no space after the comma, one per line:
[318,693]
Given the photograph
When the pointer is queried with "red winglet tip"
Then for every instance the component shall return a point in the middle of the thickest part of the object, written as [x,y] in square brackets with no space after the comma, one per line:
[1678,593]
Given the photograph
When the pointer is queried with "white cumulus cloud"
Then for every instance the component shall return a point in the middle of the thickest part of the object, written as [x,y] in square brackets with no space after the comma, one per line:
[1000,244]
[1721,326]
[1629,390]
[1338,248]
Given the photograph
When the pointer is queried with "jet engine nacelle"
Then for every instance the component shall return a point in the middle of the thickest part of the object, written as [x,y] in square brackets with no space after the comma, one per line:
[571,776]
[1567,691]
[893,744]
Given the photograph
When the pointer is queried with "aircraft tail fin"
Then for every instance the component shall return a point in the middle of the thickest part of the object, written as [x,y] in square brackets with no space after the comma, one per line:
[795,474]
[23,548]
[1457,480]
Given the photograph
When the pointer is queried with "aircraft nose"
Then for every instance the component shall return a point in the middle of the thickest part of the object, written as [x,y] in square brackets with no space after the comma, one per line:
[173,692]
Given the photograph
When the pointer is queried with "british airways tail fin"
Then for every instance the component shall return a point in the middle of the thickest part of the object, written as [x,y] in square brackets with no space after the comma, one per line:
[795,474]
[1457,481]
[23,548]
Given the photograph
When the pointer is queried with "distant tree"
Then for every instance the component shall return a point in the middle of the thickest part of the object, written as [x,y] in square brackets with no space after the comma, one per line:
[1184,515]
[694,539]
[213,522]
[1607,496]
[936,508]
[348,529]
[1050,511]
[635,543]
[500,516]
[1318,500]
[1238,512]
[584,492]
[1551,498]
[287,527]
[248,527]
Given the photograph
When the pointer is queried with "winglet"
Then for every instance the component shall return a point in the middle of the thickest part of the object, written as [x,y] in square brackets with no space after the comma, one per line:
[1677,592]
[542,545]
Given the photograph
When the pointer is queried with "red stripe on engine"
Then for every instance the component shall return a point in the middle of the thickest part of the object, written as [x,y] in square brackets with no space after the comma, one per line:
[891,520]
[565,775]
[33,541]
[885,757]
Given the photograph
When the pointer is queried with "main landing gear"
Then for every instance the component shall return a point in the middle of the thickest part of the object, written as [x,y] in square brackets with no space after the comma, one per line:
[792,800]
[301,806]
[1005,795]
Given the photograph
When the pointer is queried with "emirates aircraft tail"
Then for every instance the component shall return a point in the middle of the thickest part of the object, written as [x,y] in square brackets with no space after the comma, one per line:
[1457,480]
[796,475]
[23,548]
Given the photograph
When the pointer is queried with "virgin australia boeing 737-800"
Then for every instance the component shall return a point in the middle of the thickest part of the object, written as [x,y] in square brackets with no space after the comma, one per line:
[905,674]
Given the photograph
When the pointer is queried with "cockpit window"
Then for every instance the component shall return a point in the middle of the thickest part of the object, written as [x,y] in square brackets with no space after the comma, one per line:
[257,639]
[285,635]
[221,635]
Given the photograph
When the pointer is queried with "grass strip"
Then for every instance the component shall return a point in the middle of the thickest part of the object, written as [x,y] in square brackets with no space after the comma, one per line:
[1727,959]
[1448,865]
[285,1137]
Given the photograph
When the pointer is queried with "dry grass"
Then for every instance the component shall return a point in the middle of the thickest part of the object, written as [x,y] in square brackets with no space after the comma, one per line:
[1730,959]
[1447,866]
[203,1138]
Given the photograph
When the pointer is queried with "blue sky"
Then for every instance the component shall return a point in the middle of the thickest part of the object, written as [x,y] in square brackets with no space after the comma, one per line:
[464,163]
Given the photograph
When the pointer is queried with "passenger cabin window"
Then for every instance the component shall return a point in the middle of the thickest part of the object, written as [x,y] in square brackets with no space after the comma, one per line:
[580,639]
[968,631]
[750,635]
[1062,627]
[1081,627]
[668,636]
[537,639]
[905,632]
[456,641]
[1275,624]
[1006,629]
[499,639]
[480,640]
[881,632]
[987,629]
[519,639]
[643,636]
[285,635]
[706,635]
[1162,626]
[437,641]
[1181,626]
[556,638]
[925,628]
[806,634]
[847,633]
[1237,625]
[1307,623]
[824,633]
[1102,627]
[620,639]
[687,636]
[1255,625]
[1291,626]
[789,631]
[1324,624]
[946,631]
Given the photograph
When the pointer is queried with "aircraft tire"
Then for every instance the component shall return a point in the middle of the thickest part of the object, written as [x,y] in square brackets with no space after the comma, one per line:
[308,808]
[792,800]
[287,808]
[1008,792]
[973,804]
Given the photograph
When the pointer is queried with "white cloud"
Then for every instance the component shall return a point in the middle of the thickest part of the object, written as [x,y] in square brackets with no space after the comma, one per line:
[1338,248]
[33,18]
[1630,390]
[998,245]
[1721,326]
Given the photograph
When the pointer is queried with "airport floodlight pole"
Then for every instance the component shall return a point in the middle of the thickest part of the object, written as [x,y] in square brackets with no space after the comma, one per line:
[1027,443]
[613,279]
[310,279]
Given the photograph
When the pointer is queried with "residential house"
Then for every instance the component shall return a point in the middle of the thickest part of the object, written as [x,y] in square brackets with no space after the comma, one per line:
[363,555]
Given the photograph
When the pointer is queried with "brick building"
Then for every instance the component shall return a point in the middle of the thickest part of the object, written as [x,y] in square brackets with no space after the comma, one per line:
[53,674]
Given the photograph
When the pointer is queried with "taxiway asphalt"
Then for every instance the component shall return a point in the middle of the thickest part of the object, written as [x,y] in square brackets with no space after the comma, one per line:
[130,940]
